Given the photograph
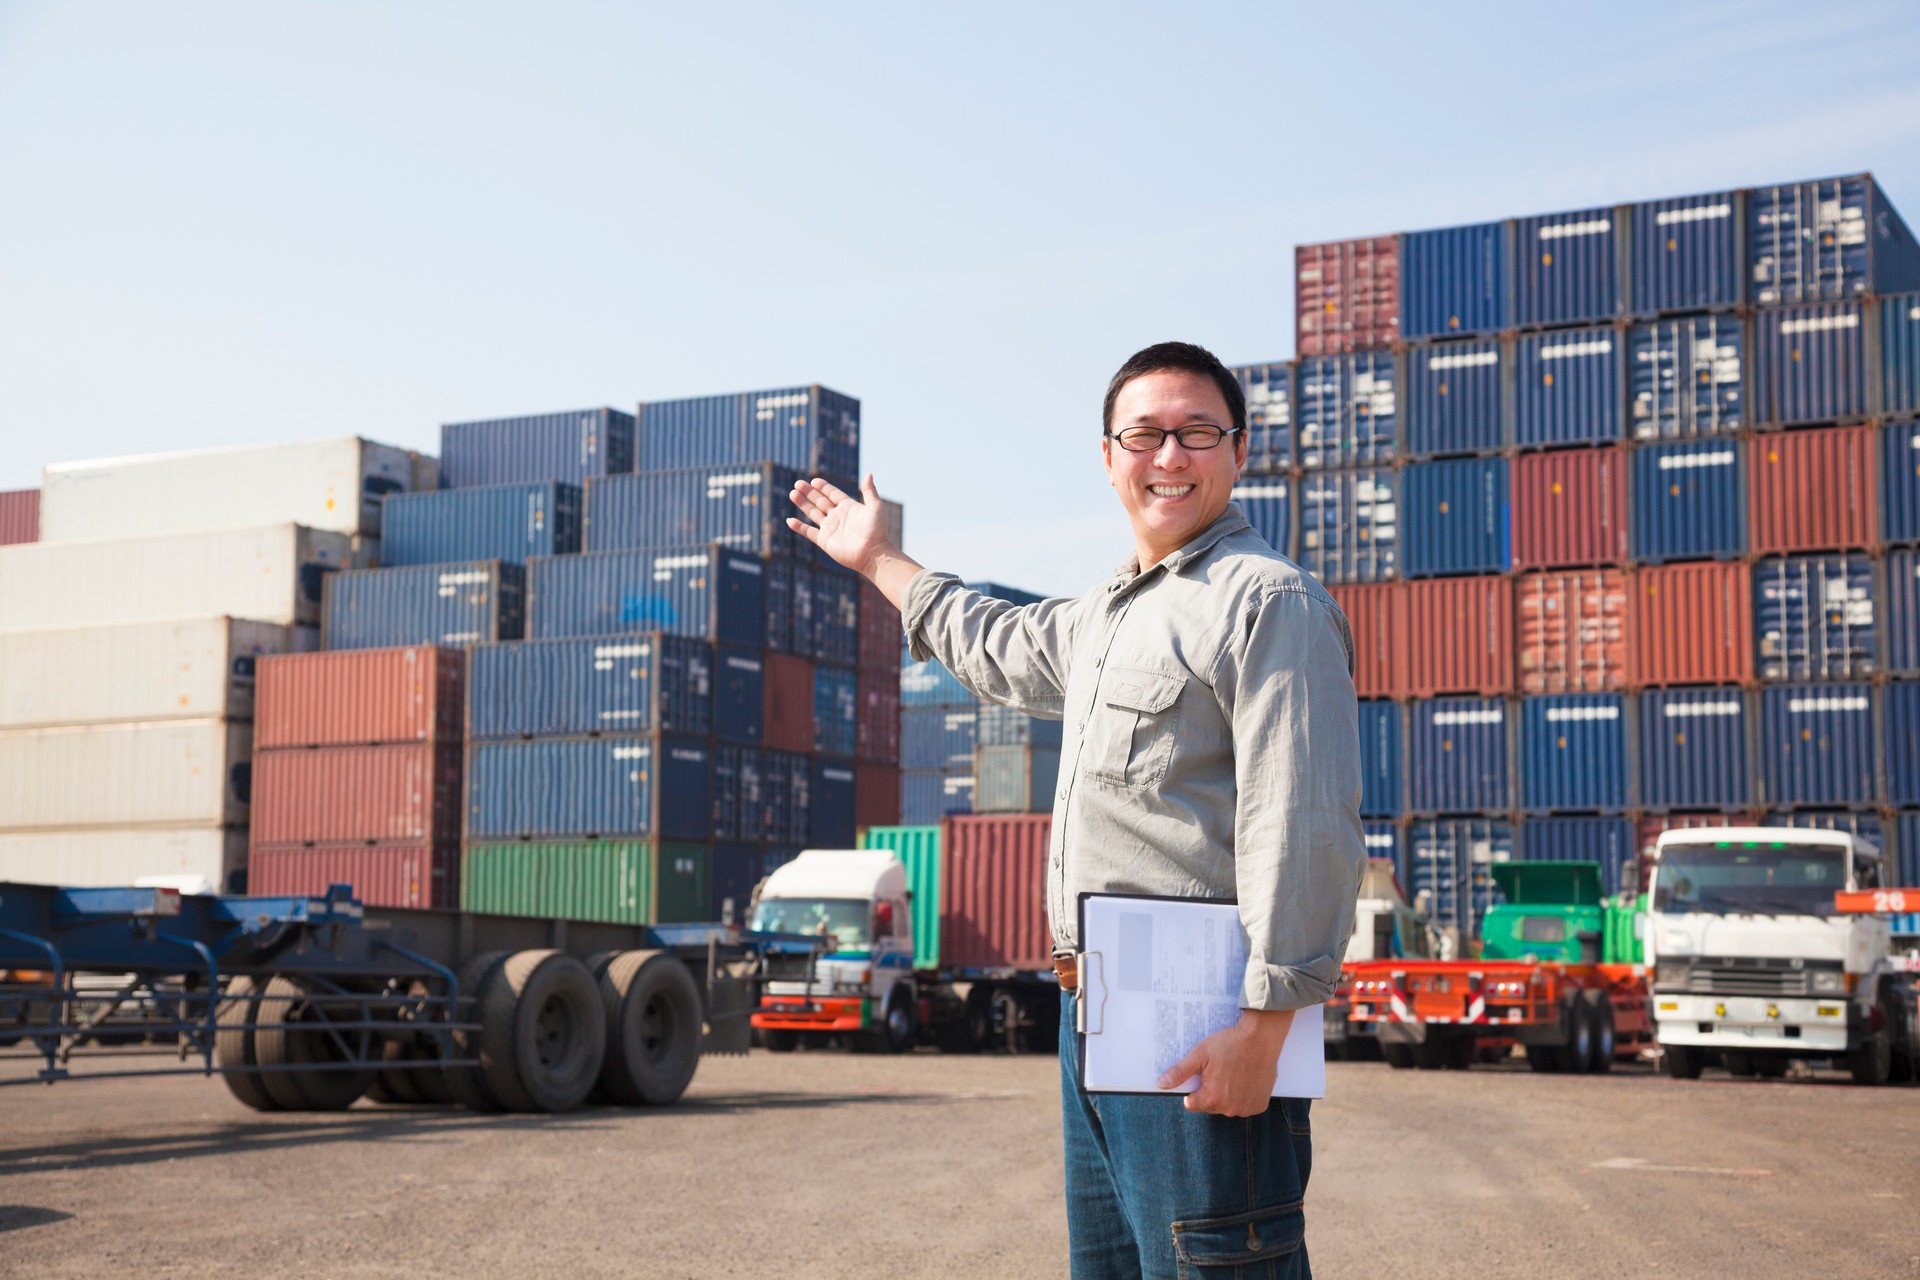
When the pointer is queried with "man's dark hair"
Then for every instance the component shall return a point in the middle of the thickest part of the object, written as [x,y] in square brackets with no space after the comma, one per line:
[1178,355]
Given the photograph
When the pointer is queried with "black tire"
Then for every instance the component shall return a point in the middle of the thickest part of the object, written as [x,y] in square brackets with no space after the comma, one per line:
[778,1039]
[1738,1064]
[1872,1063]
[1605,1033]
[467,1086]
[396,1086]
[1681,1061]
[543,1032]
[1398,1056]
[979,1017]
[235,1048]
[1770,1066]
[896,1032]
[653,1028]
[1435,1053]
[287,1003]
[1576,1057]
[1543,1058]
[430,1081]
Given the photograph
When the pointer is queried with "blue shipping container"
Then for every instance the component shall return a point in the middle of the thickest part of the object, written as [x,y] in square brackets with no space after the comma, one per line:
[809,429]
[508,522]
[739,796]
[1457,755]
[835,615]
[1685,254]
[928,795]
[1809,364]
[1267,503]
[444,604]
[1269,392]
[1001,591]
[589,787]
[1566,387]
[998,726]
[786,788]
[1345,409]
[573,446]
[574,688]
[835,707]
[1385,840]
[1813,617]
[700,591]
[1907,846]
[1900,482]
[742,508]
[1900,354]
[1457,518]
[1456,398]
[1380,772]
[1349,525]
[928,684]
[739,695]
[1693,749]
[1573,752]
[1902,611]
[1688,501]
[1607,841]
[1866,825]
[1816,745]
[1686,377]
[1566,268]
[1453,282]
[736,870]
[1901,703]
[1834,238]
[1452,861]
[830,812]
[938,737]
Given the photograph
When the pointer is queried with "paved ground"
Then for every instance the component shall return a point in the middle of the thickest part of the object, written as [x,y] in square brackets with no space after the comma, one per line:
[818,1164]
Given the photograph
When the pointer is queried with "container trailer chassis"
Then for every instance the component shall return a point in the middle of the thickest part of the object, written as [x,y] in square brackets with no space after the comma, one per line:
[309,1003]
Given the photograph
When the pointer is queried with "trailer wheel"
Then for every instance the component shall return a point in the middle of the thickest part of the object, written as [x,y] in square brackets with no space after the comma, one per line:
[235,1048]
[653,1020]
[543,1032]
[467,1086]
[1681,1061]
[289,1003]
[895,1034]
[1543,1058]
[395,1086]
[1577,1055]
[1605,1034]
[778,1039]
[1872,1063]
[1398,1056]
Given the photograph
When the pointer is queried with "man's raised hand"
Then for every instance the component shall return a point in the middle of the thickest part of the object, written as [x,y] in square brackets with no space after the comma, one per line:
[852,531]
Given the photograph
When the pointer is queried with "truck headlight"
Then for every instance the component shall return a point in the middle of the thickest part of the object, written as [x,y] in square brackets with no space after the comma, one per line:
[1829,982]
[1670,974]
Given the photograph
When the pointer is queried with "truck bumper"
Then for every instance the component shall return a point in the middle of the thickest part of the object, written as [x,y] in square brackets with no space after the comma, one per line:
[1811,1027]
[798,1013]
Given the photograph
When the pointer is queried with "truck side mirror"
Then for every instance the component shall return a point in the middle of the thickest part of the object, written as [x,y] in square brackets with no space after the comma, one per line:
[883,919]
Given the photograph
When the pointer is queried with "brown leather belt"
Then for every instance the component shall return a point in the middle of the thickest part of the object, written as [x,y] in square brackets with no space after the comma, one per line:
[1066,967]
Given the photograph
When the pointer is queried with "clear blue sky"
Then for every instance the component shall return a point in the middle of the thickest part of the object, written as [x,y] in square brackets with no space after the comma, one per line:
[247,222]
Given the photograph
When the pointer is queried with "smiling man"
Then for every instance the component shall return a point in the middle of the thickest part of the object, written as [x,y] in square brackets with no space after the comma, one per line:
[1211,749]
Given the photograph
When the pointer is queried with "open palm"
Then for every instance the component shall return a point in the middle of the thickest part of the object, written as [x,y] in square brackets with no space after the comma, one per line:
[850,530]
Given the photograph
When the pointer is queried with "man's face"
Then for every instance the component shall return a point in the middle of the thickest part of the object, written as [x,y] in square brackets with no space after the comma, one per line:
[1173,492]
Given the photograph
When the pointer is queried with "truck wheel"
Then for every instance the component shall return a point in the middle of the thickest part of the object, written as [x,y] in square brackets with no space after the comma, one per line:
[543,1032]
[1398,1056]
[235,1048]
[652,1029]
[1576,1056]
[778,1039]
[468,1085]
[895,1034]
[1600,1015]
[396,1086]
[1681,1061]
[288,1003]
[979,1016]
[1738,1064]
[1872,1063]
[1435,1053]
[1543,1058]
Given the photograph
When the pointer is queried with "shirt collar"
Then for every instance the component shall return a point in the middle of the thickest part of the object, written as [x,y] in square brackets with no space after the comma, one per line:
[1228,522]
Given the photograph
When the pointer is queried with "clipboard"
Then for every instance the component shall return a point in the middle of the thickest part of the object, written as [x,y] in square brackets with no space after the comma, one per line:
[1158,975]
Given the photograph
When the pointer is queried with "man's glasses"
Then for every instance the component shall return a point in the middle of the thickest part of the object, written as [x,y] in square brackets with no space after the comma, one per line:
[1147,439]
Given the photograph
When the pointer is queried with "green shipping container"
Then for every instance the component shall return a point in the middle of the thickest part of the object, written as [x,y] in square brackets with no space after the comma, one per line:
[918,849]
[618,881]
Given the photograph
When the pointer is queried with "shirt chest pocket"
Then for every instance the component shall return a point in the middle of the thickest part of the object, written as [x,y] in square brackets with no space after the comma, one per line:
[1129,742]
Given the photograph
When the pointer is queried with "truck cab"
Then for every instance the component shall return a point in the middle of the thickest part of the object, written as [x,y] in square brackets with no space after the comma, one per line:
[1552,911]
[862,987]
[1752,960]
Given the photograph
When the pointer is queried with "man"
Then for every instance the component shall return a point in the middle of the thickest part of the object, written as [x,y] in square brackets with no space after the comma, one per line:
[1211,749]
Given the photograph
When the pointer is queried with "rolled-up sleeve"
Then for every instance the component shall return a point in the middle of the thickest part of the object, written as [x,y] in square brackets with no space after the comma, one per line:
[1287,690]
[1015,655]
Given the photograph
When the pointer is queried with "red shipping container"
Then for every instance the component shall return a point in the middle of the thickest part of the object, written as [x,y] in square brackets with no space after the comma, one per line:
[876,795]
[382,875]
[1459,636]
[1346,295]
[788,721]
[1814,490]
[359,697]
[1572,631]
[993,911]
[1649,828]
[1569,508]
[880,632]
[1376,614]
[19,516]
[1692,624]
[338,795]
[877,718]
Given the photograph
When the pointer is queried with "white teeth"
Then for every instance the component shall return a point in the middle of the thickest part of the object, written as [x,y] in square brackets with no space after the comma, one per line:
[1169,490]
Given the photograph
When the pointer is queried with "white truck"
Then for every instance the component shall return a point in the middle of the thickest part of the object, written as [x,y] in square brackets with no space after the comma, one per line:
[1758,957]
[1385,927]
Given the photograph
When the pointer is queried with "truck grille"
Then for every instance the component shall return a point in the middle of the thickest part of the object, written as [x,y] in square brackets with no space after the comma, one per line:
[1718,980]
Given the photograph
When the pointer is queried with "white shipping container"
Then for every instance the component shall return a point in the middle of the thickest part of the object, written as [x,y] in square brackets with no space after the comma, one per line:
[110,858]
[184,669]
[271,573]
[161,773]
[324,484]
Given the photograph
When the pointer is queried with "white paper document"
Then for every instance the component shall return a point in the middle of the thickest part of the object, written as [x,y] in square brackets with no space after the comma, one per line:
[1158,976]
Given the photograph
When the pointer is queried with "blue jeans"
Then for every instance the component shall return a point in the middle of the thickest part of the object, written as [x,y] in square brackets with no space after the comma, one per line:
[1155,1190]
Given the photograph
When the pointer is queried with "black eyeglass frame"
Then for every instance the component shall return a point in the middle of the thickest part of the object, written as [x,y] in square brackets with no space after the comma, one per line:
[1225,432]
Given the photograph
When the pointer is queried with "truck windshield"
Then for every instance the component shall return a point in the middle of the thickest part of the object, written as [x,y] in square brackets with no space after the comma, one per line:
[845,920]
[1724,879]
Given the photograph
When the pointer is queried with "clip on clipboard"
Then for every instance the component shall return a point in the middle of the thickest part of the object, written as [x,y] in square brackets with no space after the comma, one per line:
[1157,976]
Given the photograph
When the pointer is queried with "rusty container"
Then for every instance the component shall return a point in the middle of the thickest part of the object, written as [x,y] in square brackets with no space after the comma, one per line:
[403,793]
[1813,490]
[877,718]
[359,696]
[382,875]
[1571,631]
[1569,508]
[1376,613]
[876,795]
[788,722]
[993,911]
[1692,624]
[1347,295]
[878,647]
[1459,636]
[19,516]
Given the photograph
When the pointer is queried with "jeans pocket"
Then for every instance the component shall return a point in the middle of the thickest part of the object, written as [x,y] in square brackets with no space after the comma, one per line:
[1300,1133]
[1262,1242]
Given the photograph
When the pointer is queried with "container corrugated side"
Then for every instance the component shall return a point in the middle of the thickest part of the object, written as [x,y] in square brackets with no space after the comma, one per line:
[830,803]
[918,848]
[1901,706]
[836,711]
[1686,377]
[1688,501]
[576,688]
[1572,632]
[876,795]
[1376,615]
[1569,508]
[1900,482]
[929,795]
[1814,617]
[1573,752]
[787,722]
[1901,609]
[1693,749]
[999,726]
[616,881]
[1899,357]
[1907,851]
[1692,624]
[1816,745]
[510,522]
[1454,281]
[270,573]
[437,604]
[399,875]
[561,787]
[938,737]
[190,669]
[1567,267]
[1451,861]
[1567,387]
[1381,772]
[336,484]
[878,649]
[1267,504]
[739,793]
[360,697]
[1863,823]
[1809,364]
[733,871]
[1684,253]
[877,719]
[929,684]
[1387,840]
[810,429]
[1349,525]
[739,695]
[1015,779]
[1268,389]
[1456,398]
[1346,409]
[571,446]
[19,516]
[743,508]
[698,591]
[1346,295]
[1457,755]
[1813,490]
[1460,636]
[993,910]
[159,773]
[1826,239]
[1456,517]
[1607,841]
[118,856]
[786,790]
[333,795]
[836,615]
